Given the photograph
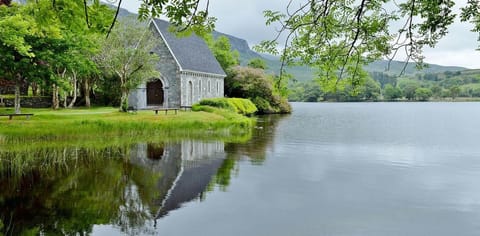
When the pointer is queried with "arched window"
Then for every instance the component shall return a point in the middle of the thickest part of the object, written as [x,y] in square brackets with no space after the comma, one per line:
[200,89]
[190,93]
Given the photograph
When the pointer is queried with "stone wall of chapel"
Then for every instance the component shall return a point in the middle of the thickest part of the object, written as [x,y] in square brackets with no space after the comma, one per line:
[203,86]
[170,74]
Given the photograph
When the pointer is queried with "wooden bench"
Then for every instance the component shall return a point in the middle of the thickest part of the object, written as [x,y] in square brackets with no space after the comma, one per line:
[165,109]
[10,116]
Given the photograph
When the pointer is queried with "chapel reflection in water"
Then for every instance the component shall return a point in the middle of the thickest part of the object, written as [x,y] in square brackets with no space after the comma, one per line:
[188,168]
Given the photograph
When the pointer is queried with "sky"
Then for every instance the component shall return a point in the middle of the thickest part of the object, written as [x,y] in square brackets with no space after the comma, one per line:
[244,19]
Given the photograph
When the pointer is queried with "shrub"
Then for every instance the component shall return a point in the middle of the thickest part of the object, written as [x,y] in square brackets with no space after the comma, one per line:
[217,102]
[254,84]
[263,105]
[423,94]
[392,93]
[238,105]
[243,106]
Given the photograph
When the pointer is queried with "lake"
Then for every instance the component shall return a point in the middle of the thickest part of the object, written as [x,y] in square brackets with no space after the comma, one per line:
[326,169]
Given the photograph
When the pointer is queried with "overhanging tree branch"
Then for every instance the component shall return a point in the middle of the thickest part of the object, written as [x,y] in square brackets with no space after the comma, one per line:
[114,18]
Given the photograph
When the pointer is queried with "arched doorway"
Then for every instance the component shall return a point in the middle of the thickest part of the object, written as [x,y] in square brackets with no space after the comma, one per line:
[155,94]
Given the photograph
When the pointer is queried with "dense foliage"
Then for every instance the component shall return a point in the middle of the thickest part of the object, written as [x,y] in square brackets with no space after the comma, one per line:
[50,47]
[59,50]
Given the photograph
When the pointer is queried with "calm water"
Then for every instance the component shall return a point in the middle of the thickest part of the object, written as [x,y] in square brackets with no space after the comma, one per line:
[327,169]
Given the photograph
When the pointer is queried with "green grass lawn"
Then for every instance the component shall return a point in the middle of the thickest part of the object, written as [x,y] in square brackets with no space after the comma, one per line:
[70,125]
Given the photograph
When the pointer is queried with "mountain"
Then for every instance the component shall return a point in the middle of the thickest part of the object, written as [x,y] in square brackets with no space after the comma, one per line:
[303,73]
[241,45]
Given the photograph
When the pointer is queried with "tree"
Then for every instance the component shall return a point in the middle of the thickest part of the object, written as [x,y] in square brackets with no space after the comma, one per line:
[49,44]
[454,92]
[372,89]
[222,50]
[254,84]
[257,63]
[436,90]
[408,87]
[384,78]
[308,91]
[392,93]
[312,93]
[24,45]
[184,15]
[77,66]
[82,71]
[423,94]
[126,55]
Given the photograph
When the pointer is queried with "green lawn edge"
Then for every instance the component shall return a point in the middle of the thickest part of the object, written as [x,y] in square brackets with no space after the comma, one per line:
[73,126]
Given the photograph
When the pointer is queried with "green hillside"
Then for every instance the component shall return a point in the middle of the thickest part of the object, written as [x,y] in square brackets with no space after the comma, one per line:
[396,68]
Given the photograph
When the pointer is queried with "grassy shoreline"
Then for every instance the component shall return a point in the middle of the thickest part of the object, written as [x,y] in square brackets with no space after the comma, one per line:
[72,125]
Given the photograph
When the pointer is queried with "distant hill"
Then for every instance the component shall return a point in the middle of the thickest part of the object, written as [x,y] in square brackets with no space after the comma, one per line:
[397,66]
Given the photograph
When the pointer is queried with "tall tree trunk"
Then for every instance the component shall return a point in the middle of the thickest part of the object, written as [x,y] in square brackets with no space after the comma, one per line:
[34,86]
[65,97]
[18,82]
[74,99]
[86,92]
[124,99]
[55,100]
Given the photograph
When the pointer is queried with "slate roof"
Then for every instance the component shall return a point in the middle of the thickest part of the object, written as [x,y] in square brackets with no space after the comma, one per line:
[191,53]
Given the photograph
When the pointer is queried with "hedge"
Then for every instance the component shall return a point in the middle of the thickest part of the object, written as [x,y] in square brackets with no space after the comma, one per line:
[238,105]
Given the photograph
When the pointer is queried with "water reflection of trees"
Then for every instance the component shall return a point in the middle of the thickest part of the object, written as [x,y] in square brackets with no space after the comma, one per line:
[73,191]
[253,150]
[69,190]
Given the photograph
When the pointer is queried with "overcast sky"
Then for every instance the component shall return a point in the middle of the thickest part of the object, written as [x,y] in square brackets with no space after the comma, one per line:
[244,19]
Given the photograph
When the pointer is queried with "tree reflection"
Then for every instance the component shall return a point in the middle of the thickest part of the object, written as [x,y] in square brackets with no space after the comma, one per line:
[253,150]
[262,138]
[71,196]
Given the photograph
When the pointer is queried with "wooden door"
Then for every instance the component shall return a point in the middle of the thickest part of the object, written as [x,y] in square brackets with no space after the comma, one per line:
[155,93]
